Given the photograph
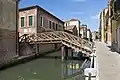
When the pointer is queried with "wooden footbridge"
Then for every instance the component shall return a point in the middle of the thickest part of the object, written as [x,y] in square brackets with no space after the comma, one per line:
[65,38]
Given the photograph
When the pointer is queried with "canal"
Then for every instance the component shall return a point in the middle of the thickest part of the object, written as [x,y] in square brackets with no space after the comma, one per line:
[49,67]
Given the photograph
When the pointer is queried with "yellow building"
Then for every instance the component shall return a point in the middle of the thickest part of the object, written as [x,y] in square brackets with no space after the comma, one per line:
[102,26]
[105,26]
[115,22]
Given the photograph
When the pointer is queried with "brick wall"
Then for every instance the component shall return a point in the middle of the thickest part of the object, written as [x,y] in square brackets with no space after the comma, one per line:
[46,18]
[36,28]
[7,30]
[28,29]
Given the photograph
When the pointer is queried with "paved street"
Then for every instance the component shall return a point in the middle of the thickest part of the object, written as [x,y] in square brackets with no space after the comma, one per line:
[108,62]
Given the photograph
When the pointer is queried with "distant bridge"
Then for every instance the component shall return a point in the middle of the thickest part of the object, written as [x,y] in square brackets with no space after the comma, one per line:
[65,38]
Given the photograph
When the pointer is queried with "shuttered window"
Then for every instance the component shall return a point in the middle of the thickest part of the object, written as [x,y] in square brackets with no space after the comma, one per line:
[22,22]
[50,24]
[41,21]
[53,25]
[56,26]
[30,20]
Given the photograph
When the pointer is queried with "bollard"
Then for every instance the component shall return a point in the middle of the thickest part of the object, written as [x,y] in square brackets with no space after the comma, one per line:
[89,76]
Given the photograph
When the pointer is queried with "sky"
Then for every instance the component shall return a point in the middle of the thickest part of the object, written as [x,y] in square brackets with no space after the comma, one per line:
[87,11]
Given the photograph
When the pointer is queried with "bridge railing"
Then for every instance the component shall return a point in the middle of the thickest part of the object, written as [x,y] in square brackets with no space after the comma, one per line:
[88,43]
[55,36]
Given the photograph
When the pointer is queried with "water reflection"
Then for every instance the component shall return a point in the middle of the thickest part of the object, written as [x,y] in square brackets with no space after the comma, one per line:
[49,67]
[71,70]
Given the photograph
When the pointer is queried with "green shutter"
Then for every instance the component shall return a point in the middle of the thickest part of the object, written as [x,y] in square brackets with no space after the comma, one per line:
[30,20]
[56,26]
[41,21]
[22,21]
[53,25]
[50,24]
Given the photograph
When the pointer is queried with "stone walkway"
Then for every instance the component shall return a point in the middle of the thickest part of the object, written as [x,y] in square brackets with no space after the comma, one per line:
[108,62]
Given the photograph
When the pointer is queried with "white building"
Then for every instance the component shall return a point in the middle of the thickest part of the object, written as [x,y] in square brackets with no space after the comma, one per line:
[89,34]
[73,22]
[83,31]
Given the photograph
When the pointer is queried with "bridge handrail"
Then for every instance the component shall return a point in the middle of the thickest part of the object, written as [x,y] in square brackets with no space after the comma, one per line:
[57,35]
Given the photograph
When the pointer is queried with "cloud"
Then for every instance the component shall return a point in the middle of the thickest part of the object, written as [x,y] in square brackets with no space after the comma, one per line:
[77,12]
[80,0]
[95,17]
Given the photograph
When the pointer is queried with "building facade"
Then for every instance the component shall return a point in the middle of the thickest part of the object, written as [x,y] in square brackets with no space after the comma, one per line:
[106,25]
[108,28]
[8,31]
[73,22]
[33,20]
[93,36]
[89,35]
[72,30]
[83,31]
[115,23]
[102,28]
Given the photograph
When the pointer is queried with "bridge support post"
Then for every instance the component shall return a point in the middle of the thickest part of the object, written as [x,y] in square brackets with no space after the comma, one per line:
[66,52]
[70,53]
[63,53]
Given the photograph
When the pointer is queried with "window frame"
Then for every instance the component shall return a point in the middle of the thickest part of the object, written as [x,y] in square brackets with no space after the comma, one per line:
[66,24]
[41,21]
[53,24]
[56,26]
[29,20]
[59,28]
[21,21]
[50,24]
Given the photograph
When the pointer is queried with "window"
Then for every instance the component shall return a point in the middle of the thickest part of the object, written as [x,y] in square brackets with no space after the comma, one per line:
[41,21]
[22,21]
[50,24]
[59,28]
[56,26]
[30,20]
[114,6]
[53,25]
[66,24]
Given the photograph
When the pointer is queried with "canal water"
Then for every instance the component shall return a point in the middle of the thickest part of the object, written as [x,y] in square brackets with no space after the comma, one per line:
[49,67]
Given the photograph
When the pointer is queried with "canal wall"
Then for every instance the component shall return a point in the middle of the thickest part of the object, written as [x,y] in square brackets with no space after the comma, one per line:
[24,59]
[30,49]
[43,48]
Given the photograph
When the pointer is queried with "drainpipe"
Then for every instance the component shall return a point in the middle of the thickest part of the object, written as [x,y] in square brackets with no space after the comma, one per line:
[17,28]
[17,33]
